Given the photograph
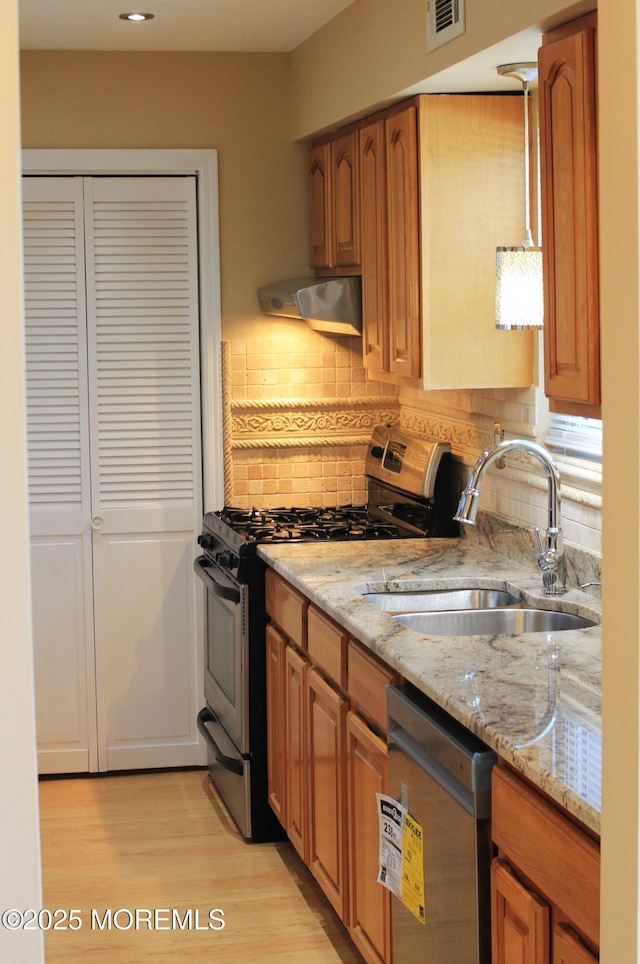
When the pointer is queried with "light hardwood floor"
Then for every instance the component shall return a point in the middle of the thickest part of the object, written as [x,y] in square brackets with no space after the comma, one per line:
[159,841]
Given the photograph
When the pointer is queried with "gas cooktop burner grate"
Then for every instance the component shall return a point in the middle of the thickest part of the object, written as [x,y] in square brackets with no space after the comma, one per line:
[306,525]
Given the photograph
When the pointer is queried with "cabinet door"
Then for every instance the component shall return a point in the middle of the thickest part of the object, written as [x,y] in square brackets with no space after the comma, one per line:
[373,187]
[403,242]
[519,920]
[276,722]
[345,198]
[59,481]
[327,713]
[369,901]
[567,83]
[321,253]
[568,948]
[296,752]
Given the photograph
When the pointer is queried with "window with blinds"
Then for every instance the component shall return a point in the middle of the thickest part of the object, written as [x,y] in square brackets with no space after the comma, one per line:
[576,436]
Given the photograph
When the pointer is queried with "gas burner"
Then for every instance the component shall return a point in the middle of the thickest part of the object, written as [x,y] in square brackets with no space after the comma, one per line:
[295,524]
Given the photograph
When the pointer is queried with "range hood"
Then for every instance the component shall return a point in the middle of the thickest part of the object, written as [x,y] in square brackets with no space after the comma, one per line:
[330,305]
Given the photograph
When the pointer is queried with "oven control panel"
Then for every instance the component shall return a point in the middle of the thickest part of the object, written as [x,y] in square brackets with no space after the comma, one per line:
[400,459]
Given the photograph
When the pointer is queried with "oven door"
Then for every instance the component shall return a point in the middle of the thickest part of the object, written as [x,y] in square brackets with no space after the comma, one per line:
[226,650]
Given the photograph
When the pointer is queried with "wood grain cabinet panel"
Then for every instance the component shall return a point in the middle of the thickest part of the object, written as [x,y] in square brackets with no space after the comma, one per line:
[544,859]
[297,787]
[327,711]
[568,948]
[345,198]
[375,265]
[368,678]
[321,253]
[287,607]
[369,902]
[568,137]
[333,170]
[519,920]
[403,244]
[276,722]
[327,646]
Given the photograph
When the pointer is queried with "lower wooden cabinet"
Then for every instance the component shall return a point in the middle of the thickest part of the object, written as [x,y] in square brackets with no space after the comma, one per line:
[545,881]
[568,948]
[519,920]
[295,749]
[369,902]
[327,785]
[326,718]
[276,773]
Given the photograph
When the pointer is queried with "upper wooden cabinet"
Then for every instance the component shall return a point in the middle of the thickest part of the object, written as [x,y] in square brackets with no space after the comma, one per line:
[373,224]
[441,185]
[567,85]
[320,230]
[403,243]
[334,220]
[389,208]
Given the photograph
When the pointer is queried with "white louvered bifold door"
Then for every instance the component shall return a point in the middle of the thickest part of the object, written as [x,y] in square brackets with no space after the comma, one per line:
[142,308]
[143,462]
[59,487]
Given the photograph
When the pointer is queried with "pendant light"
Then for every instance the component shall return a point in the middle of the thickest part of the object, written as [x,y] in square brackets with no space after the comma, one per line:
[519,301]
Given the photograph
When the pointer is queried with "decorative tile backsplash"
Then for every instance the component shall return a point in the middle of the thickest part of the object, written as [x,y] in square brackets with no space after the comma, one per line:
[300,413]
[300,410]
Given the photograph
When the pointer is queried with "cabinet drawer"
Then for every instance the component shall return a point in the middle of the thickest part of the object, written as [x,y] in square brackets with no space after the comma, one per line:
[327,646]
[286,607]
[561,861]
[367,679]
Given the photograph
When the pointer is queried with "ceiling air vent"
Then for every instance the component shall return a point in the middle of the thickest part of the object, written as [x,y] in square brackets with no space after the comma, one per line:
[445,20]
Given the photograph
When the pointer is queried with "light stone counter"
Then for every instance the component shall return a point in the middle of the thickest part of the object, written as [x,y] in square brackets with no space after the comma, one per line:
[534,698]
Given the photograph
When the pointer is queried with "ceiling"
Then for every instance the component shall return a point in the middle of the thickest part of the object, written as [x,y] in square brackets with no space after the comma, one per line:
[232,25]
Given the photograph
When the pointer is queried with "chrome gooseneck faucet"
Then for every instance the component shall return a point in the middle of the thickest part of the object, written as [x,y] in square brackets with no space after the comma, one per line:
[551,558]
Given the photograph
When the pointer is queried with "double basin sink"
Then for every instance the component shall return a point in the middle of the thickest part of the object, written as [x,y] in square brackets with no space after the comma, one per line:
[472,612]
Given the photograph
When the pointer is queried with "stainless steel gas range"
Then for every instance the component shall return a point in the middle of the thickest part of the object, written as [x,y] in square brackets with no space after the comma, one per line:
[409,495]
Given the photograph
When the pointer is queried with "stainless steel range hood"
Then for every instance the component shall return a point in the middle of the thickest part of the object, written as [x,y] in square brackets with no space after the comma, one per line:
[330,305]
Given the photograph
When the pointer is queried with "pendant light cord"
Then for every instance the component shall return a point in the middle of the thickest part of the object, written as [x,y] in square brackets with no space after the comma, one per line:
[528,238]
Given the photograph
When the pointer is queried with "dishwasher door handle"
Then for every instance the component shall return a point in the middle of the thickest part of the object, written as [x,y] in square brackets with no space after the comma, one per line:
[456,759]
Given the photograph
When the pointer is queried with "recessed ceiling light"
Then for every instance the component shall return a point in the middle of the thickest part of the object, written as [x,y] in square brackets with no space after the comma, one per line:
[136,16]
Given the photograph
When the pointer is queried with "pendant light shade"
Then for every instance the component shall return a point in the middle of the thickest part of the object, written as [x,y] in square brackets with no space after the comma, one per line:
[519,301]
[519,292]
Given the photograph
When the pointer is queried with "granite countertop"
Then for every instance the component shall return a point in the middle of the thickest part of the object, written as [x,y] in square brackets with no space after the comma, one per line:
[534,698]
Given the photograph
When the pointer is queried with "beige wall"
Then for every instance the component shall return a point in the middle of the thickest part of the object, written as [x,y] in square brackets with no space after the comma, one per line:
[236,103]
[618,53]
[19,839]
[374,50]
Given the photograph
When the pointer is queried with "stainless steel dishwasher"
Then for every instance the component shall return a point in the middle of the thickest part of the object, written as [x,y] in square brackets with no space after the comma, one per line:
[441,773]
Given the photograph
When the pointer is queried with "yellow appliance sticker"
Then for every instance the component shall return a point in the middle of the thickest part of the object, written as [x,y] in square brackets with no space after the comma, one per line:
[412,866]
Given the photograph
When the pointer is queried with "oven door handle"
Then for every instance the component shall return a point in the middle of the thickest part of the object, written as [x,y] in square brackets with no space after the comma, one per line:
[203,569]
[228,763]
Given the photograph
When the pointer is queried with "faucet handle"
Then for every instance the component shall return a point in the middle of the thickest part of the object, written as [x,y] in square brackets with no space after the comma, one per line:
[541,548]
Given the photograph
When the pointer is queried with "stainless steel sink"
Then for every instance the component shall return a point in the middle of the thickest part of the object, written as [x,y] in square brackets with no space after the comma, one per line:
[438,600]
[491,622]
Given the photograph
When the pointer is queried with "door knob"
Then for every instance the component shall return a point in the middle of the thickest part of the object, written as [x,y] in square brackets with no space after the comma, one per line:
[97,522]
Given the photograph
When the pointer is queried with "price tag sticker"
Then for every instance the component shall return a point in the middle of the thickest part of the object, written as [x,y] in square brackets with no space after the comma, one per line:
[401,854]
[390,814]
